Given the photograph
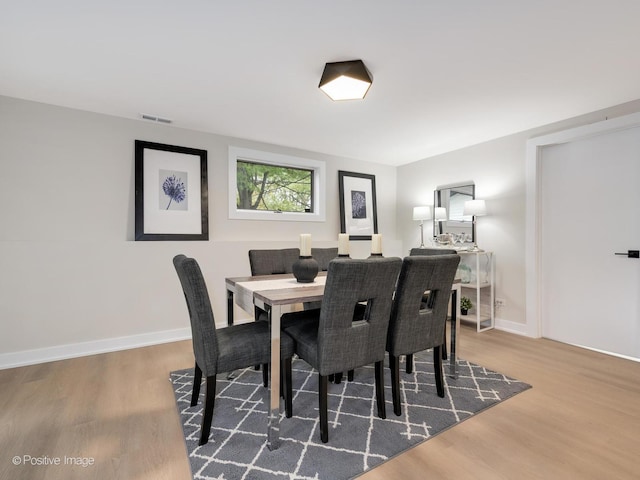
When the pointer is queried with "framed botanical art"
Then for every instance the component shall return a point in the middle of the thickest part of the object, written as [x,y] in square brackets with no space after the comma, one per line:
[171,194]
[358,211]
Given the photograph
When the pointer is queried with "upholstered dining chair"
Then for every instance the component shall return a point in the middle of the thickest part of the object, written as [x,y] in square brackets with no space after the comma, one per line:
[275,261]
[432,251]
[429,251]
[414,325]
[323,256]
[224,349]
[271,262]
[332,341]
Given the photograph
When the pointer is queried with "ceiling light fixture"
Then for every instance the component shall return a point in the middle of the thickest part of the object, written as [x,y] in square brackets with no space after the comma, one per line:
[345,80]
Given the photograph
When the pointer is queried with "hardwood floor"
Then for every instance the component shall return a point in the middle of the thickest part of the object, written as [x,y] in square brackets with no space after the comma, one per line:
[581,419]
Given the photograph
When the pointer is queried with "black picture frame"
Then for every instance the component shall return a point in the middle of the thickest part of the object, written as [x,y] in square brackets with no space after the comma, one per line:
[175,175]
[358,207]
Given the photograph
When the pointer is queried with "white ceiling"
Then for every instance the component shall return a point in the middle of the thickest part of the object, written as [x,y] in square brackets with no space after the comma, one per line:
[447,74]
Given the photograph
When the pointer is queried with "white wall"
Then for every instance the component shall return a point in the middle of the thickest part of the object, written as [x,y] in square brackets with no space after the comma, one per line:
[73,281]
[498,170]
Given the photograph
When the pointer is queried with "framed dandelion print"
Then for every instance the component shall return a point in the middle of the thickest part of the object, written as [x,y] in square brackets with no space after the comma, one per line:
[171,192]
[358,211]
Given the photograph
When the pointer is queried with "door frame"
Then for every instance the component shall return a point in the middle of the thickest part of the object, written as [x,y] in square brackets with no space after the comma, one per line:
[532,235]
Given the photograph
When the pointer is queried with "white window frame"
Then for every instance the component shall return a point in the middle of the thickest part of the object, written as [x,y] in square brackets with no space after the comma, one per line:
[319,185]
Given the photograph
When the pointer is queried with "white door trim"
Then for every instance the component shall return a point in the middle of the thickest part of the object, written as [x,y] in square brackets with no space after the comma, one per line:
[532,245]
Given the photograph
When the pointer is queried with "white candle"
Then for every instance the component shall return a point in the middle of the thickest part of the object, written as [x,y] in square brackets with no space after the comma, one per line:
[305,245]
[376,243]
[343,244]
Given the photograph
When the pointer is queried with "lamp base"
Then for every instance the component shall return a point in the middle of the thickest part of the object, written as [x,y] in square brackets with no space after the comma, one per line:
[305,269]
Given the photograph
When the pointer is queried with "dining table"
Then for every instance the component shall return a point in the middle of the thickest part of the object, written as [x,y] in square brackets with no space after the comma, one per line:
[280,293]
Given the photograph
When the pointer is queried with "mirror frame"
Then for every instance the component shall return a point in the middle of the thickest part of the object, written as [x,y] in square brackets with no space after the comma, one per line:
[438,227]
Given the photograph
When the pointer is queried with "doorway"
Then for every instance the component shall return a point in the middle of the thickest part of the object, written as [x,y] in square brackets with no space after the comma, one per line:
[587,198]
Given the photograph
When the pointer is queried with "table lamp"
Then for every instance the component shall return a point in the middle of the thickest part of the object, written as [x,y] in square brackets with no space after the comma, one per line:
[421,214]
[477,208]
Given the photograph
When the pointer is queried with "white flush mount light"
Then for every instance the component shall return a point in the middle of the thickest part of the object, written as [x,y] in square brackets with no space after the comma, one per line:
[345,80]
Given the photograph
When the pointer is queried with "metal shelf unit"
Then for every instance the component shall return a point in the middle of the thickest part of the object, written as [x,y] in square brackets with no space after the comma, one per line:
[476,271]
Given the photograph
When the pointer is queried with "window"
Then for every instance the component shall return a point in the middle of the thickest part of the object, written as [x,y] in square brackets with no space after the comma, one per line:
[261,186]
[269,186]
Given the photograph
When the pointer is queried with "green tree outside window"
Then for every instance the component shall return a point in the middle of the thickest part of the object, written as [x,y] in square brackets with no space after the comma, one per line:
[273,188]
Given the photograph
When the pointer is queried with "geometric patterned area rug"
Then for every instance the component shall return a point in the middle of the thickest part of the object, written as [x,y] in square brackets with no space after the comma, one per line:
[358,439]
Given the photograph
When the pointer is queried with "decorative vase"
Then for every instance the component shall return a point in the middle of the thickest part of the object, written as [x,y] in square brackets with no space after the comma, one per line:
[305,269]
[464,272]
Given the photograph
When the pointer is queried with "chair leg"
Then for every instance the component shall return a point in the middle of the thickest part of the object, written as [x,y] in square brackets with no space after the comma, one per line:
[322,404]
[207,416]
[287,387]
[350,375]
[437,366]
[394,366]
[409,362]
[265,374]
[382,411]
[444,344]
[197,379]
[338,378]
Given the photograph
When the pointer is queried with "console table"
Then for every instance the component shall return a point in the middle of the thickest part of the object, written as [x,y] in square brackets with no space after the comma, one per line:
[476,271]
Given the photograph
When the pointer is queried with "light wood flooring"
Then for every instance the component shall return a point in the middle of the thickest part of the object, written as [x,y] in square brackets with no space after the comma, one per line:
[581,419]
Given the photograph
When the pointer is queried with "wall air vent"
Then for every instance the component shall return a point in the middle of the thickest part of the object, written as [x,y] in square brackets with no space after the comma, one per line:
[155,118]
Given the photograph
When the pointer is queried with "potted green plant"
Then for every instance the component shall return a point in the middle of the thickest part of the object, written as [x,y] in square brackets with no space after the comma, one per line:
[465,305]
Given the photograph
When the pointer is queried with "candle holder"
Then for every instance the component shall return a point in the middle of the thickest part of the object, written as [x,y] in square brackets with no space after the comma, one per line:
[343,255]
[305,269]
[375,255]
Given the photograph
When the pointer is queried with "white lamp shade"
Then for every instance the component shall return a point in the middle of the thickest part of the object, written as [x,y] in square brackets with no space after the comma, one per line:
[422,213]
[439,214]
[477,208]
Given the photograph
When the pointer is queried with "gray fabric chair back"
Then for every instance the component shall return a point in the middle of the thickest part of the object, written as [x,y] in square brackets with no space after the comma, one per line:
[344,344]
[413,328]
[203,328]
[432,251]
[323,256]
[271,262]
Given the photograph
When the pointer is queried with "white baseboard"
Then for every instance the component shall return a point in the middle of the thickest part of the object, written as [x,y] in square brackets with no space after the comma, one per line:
[62,352]
[511,327]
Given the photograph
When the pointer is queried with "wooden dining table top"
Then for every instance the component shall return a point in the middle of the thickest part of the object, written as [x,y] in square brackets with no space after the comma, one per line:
[279,289]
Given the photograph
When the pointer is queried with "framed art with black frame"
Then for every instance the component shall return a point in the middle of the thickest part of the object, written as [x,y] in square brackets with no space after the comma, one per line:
[358,211]
[170,192]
